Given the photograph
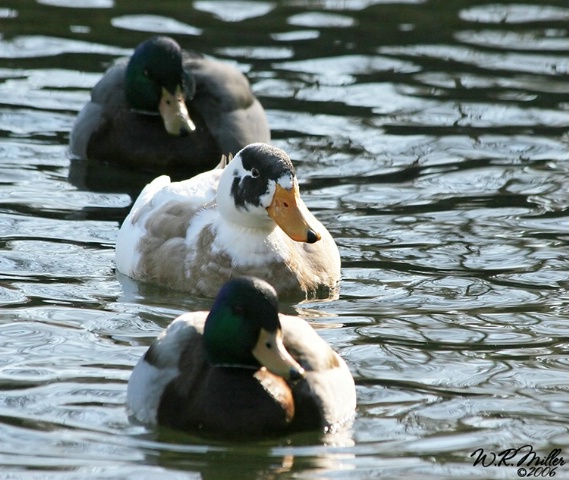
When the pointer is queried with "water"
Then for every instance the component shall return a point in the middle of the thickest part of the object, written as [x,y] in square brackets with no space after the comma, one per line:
[430,136]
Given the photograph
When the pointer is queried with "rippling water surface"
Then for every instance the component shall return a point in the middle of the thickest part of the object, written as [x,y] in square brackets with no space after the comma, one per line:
[431,137]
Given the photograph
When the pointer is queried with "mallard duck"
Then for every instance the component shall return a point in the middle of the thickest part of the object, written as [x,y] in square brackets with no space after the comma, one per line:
[168,111]
[245,219]
[241,369]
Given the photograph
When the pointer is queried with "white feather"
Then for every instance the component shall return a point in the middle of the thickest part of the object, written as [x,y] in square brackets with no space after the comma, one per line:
[148,381]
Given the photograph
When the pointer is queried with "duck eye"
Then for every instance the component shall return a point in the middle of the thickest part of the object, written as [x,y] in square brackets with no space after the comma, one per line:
[269,345]
[254,173]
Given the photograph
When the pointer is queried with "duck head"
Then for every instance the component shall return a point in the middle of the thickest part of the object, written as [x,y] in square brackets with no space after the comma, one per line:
[155,82]
[243,329]
[259,189]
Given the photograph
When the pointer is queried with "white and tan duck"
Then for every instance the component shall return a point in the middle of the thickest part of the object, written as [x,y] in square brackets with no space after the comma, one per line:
[245,219]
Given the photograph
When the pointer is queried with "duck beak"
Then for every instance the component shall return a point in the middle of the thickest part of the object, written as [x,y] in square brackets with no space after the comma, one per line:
[286,211]
[174,113]
[272,354]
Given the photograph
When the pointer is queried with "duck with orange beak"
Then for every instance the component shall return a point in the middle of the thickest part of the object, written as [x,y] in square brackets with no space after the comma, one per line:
[245,219]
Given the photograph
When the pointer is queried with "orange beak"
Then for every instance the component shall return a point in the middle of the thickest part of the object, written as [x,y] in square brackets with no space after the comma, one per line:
[285,210]
[174,113]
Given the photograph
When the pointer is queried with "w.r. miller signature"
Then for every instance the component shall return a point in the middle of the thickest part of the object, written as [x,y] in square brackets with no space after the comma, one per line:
[516,457]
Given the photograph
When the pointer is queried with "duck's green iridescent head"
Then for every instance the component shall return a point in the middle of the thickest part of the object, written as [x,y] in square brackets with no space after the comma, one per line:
[243,329]
[155,82]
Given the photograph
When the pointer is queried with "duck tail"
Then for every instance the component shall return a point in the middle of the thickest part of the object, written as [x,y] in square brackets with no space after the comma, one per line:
[225,159]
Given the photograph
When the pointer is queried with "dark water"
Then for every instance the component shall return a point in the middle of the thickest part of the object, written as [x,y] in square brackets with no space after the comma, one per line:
[431,137]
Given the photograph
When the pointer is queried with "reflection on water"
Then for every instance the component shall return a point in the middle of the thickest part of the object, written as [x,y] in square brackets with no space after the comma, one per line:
[430,137]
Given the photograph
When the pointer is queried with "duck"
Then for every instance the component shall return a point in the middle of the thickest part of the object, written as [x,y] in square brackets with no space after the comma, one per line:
[244,219]
[168,111]
[241,370]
